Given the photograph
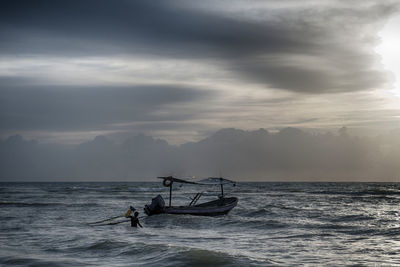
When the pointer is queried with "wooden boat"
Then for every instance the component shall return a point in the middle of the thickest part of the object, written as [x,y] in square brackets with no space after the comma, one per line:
[220,206]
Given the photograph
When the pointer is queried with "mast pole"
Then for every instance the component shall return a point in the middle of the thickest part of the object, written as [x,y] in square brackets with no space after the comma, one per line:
[222,187]
[170,194]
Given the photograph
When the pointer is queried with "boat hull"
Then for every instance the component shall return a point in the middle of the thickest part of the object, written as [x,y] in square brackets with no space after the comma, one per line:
[213,208]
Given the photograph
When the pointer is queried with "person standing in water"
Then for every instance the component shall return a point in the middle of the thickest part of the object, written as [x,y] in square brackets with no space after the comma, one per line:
[135,220]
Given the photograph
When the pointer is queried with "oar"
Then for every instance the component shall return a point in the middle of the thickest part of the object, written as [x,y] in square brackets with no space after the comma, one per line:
[127,214]
[109,219]
[113,223]
[110,223]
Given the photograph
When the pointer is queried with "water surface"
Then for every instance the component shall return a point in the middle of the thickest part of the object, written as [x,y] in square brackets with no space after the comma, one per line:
[274,224]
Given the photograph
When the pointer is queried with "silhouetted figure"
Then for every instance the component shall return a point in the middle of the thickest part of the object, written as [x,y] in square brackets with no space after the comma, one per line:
[135,220]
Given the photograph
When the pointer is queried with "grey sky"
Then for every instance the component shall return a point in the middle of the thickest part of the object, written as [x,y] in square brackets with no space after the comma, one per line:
[182,70]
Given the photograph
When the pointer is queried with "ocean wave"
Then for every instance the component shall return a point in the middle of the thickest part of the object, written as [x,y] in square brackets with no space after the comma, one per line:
[200,257]
[111,189]
[19,261]
[259,212]
[268,210]
[105,245]
[46,204]
[258,224]
[142,248]
[29,204]
[329,226]
[182,256]
[352,218]
[307,236]
[83,204]
[391,232]
[360,232]
[35,262]
[369,192]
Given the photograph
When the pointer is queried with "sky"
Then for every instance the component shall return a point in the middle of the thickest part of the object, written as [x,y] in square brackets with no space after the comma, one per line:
[180,71]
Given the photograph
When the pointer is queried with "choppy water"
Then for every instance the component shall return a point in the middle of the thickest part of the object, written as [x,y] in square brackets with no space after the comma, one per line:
[274,224]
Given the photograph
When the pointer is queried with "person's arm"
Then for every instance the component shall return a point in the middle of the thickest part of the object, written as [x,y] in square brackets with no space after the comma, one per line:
[139,224]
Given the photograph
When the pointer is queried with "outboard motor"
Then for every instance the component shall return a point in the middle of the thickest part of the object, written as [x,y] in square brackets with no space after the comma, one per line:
[156,207]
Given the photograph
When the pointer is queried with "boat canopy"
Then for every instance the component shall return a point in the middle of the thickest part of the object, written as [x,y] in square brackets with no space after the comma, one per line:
[216,181]
[206,181]
[168,180]
[177,180]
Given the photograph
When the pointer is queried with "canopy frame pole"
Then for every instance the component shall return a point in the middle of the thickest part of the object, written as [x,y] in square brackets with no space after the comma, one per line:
[195,199]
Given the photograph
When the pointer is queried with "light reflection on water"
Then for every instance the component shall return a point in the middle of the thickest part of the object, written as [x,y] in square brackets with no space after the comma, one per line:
[273,224]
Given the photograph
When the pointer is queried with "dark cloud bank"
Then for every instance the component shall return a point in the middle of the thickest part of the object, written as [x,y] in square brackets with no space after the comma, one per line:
[316,48]
[291,154]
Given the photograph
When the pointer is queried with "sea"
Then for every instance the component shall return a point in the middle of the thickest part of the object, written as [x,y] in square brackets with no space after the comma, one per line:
[274,224]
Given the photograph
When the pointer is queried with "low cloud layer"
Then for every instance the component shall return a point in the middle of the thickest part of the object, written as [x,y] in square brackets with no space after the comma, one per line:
[291,155]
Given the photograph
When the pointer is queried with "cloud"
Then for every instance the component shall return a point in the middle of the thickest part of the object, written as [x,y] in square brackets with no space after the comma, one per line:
[290,154]
[59,108]
[316,48]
